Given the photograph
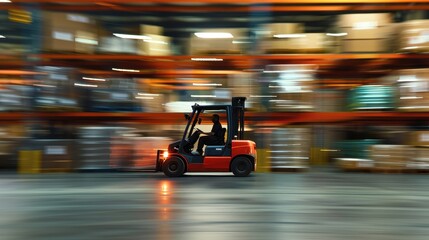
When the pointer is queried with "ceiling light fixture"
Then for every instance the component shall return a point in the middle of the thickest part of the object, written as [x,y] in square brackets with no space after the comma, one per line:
[342,34]
[207,59]
[213,35]
[289,35]
[94,79]
[131,36]
[125,70]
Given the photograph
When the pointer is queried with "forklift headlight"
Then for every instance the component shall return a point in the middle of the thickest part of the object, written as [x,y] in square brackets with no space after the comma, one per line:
[165,155]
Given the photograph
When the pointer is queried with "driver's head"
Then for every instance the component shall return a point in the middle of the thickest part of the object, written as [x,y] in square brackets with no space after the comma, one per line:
[215,118]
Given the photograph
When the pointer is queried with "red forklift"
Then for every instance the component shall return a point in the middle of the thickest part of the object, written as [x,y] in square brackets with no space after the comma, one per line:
[233,155]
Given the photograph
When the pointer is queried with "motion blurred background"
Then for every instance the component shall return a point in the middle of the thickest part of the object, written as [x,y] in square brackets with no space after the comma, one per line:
[101,85]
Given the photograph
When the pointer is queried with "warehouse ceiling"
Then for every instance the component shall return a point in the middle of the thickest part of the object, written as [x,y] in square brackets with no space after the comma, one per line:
[180,19]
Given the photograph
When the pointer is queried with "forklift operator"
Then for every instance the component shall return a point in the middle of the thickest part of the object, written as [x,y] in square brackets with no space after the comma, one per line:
[213,137]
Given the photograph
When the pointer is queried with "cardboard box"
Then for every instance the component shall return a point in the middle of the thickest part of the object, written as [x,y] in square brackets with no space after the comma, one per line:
[419,138]
[61,39]
[282,28]
[217,45]
[364,20]
[365,46]
[70,20]
[212,46]
[308,43]
[69,32]
[414,36]
[157,46]
[384,154]
[374,33]
[151,29]
[85,42]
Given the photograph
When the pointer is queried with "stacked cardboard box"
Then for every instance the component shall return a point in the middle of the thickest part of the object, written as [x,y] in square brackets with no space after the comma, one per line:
[414,36]
[420,159]
[366,32]
[413,89]
[201,46]
[395,157]
[157,45]
[69,32]
[57,154]
[56,90]
[290,38]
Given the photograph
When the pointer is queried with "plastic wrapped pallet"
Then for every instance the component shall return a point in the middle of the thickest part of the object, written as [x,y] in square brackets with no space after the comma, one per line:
[94,144]
[371,97]
[288,87]
[136,153]
[290,148]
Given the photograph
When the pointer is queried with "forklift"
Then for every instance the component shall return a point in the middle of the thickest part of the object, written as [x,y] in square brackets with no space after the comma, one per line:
[233,155]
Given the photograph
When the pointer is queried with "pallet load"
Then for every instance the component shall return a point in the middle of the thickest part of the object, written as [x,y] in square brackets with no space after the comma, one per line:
[371,97]
[291,38]
[290,149]
[388,157]
[69,32]
[414,36]
[289,87]
[366,32]
[413,89]
[217,41]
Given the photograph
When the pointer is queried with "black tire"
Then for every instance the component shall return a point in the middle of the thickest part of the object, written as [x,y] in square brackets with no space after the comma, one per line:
[173,167]
[241,167]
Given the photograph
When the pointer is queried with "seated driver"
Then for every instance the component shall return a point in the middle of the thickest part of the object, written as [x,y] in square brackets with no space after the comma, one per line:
[213,137]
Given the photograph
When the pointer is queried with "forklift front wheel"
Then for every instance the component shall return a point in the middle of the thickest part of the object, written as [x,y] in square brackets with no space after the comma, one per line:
[241,167]
[173,167]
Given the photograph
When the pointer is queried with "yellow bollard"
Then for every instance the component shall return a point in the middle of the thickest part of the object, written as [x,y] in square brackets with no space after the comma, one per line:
[29,161]
[264,163]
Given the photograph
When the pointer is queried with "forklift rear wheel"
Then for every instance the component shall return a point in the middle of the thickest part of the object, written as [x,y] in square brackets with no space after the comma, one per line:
[173,167]
[241,167]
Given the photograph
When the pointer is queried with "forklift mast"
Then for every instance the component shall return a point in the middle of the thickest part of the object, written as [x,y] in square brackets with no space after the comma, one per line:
[238,117]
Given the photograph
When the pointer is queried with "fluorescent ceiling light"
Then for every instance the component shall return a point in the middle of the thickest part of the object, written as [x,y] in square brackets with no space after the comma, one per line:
[1,36]
[263,96]
[289,35]
[203,96]
[5,1]
[148,94]
[206,84]
[131,36]
[207,59]
[337,34]
[143,97]
[408,78]
[125,70]
[94,79]
[213,35]
[85,85]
